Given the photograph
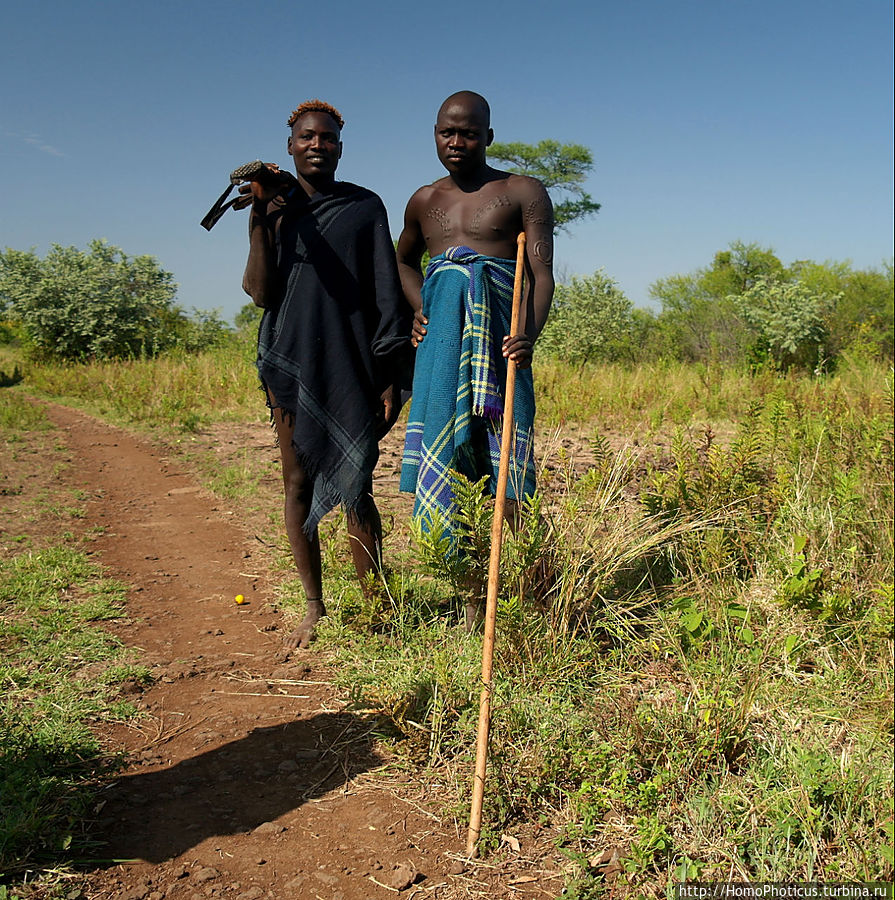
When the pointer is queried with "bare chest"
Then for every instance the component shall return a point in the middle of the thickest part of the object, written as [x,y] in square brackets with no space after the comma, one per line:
[487,221]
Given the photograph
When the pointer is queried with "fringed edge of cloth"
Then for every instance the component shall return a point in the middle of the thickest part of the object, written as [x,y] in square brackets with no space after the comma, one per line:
[360,508]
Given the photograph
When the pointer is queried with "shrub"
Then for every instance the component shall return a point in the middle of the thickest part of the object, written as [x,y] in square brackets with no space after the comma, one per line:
[592,320]
[98,304]
[788,321]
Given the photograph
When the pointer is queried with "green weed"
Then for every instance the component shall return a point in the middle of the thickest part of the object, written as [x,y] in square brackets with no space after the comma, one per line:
[16,415]
[59,674]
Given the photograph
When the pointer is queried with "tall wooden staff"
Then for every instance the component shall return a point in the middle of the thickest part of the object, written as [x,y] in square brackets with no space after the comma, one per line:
[481,757]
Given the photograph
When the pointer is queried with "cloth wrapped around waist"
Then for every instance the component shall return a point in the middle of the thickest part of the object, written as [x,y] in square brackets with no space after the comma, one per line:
[456,412]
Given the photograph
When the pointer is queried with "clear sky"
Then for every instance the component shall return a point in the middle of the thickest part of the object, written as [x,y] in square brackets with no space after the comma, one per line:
[709,122]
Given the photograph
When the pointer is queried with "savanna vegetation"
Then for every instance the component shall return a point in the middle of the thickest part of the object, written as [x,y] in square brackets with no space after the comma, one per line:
[694,666]
[73,305]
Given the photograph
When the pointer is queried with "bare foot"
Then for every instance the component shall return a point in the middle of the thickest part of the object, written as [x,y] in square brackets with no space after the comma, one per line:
[305,633]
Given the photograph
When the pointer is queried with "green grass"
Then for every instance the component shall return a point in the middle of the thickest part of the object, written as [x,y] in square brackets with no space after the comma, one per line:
[708,687]
[59,677]
[693,667]
[180,391]
[17,416]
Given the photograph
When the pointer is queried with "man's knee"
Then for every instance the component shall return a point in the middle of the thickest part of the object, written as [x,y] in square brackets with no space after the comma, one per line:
[296,483]
[363,515]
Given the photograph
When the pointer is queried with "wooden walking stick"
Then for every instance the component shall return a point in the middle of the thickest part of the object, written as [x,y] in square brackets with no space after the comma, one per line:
[481,754]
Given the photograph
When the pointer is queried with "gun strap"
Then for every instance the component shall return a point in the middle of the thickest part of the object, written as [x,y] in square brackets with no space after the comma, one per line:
[220,207]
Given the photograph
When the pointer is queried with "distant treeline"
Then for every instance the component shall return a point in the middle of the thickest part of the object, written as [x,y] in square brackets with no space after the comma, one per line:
[746,308]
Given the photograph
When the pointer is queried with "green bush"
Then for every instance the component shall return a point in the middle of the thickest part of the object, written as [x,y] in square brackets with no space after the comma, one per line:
[591,321]
[788,321]
[747,307]
[100,304]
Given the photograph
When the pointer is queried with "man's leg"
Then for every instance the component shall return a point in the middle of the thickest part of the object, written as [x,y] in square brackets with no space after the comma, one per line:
[305,550]
[474,612]
[365,538]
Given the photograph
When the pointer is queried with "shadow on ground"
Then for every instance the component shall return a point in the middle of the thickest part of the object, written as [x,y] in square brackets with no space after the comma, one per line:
[233,788]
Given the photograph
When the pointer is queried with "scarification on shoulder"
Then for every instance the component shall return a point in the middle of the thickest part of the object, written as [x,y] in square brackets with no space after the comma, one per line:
[537,213]
[501,200]
[440,216]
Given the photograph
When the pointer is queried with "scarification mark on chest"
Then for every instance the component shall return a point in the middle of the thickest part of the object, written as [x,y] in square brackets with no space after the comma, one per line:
[440,216]
[475,226]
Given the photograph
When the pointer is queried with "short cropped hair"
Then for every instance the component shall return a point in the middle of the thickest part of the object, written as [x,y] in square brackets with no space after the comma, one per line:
[469,97]
[315,106]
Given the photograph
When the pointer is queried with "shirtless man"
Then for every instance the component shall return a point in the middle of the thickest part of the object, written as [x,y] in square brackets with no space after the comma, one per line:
[332,343]
[469,221]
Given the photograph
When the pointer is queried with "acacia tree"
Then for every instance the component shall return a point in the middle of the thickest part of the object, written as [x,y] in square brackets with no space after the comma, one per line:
[562,168]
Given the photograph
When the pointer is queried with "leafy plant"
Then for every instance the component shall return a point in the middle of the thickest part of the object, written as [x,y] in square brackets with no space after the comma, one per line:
[591,319]
[458,548]
[788,319]
[733,488]
[803,585]
[100,304]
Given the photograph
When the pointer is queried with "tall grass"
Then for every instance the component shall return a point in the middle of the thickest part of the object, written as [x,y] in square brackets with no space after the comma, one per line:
[704,685]
[694,663]
[178,390]
[651,398]
[221,383]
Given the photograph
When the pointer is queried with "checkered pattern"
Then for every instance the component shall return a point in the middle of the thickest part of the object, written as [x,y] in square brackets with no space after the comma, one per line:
[456,413]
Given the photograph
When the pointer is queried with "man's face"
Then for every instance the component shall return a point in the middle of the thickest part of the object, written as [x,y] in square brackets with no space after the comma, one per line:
[462,136]
[314,145]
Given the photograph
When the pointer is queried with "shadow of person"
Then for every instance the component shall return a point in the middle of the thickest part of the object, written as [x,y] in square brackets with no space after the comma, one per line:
[155,816]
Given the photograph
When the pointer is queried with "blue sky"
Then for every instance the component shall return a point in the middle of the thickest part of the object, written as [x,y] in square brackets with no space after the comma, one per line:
[767,122]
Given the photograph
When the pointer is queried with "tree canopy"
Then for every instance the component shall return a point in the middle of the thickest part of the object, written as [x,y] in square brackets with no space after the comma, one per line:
[748,305]
[562,168]
[746,308]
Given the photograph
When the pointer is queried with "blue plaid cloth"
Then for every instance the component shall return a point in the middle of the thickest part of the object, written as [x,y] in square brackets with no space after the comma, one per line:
[457,407]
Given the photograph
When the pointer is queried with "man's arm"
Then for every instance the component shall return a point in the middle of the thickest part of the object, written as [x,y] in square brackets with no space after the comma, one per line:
[259,280]
[410,250]
[537,223]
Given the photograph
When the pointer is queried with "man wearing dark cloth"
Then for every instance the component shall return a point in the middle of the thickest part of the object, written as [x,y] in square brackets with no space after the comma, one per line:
[333,339]
[469,222]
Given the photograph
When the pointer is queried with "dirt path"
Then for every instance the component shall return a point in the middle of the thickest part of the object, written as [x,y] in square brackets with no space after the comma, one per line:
[248,777]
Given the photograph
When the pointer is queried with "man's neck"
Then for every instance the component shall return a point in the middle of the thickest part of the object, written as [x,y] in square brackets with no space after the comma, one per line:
[473,181]
[323,185]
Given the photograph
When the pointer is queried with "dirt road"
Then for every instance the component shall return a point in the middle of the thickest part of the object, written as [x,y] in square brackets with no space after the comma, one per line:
[248,777]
